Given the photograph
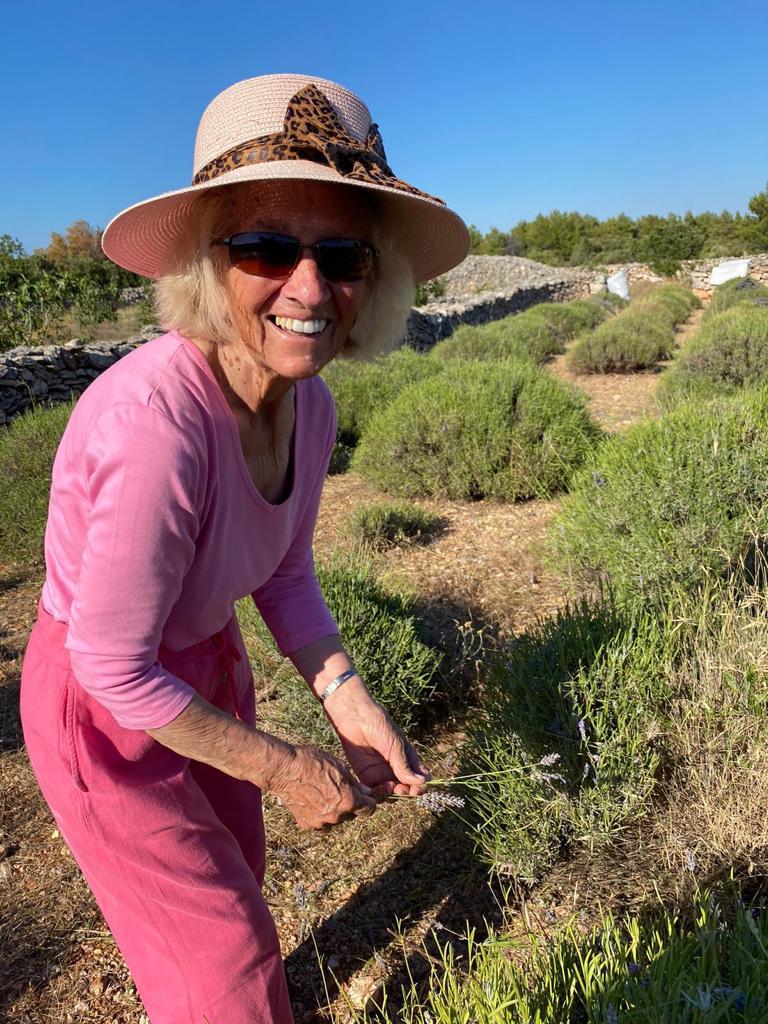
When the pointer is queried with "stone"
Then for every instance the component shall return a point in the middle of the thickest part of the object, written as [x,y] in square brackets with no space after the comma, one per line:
[99,360]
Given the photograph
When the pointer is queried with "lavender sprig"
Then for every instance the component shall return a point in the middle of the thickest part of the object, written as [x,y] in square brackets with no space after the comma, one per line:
[439,802]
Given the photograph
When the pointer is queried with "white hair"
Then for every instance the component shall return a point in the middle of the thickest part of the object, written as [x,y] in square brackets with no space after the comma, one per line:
[195,301]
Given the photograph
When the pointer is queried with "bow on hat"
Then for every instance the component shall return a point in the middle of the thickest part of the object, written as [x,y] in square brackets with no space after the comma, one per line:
[313,131]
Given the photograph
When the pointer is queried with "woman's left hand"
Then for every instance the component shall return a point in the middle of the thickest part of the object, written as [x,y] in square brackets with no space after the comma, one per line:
[378,752]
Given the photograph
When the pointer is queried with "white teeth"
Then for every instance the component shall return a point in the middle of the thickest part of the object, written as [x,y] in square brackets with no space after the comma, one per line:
[301,326]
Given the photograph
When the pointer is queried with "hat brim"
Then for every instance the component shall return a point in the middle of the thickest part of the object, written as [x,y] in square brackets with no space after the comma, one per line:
[144,238]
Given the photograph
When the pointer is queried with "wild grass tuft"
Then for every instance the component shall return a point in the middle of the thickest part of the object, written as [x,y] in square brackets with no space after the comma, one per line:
[663,966]
[393,524]
[27,451]
[506,431]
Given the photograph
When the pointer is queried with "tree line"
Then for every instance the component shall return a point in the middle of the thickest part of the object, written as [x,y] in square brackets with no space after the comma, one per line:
[575,239]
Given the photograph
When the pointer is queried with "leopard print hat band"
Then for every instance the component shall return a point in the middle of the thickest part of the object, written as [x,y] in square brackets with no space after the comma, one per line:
[290,127]
[313,131]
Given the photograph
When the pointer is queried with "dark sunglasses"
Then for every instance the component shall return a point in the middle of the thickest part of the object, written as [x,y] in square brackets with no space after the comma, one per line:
[268,254]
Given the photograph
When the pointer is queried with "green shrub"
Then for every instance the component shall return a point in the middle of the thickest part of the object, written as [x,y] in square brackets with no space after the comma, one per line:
[42,301]
[479,430]
[385,637]
[678,301]
[493,341]
[537,334]
[509,338]
[27,449]
[568,319]
[672,501]
[361,389]
[392,524]
[637,338]
[563,744]
[738,290]
[611,302]
[428,291]
[728,352]
[634,340]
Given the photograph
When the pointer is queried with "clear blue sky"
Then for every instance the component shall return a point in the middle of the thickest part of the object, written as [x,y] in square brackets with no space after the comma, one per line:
[505,110]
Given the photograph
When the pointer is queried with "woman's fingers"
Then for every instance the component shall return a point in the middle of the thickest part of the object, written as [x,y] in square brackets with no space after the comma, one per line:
[407,767]
[322,791]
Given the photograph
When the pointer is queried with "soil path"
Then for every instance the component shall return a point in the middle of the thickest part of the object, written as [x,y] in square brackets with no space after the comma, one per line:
[618,400]
[339,894]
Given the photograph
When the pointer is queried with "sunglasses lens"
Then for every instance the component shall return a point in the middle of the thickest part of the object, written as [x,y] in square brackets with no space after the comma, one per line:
[267,254]
[264,253]
[344,259]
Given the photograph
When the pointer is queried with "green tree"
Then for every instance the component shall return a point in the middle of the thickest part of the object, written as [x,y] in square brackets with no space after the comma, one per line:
[495,243]
[664,242]
[10,248]
[758,227]
[476,239]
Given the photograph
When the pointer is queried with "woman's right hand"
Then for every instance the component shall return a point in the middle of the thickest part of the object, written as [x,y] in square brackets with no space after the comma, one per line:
[318,789]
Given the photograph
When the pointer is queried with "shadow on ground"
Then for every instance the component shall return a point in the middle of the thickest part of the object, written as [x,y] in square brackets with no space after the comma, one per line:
[438,883]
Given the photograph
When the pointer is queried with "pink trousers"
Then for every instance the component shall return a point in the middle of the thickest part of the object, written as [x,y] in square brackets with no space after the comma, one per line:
[172,849]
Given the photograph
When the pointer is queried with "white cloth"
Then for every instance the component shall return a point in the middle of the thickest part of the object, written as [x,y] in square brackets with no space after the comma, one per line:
[727,270]
[618,284]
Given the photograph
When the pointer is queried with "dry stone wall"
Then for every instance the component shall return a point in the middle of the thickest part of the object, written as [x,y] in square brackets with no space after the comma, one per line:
[56,373]
[52,373]
[693,273]
[429,324]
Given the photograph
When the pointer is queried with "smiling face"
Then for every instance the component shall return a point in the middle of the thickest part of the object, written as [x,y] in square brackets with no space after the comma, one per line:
[265,308]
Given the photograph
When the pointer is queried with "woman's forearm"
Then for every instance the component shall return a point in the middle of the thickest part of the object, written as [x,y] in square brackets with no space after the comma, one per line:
[204,733]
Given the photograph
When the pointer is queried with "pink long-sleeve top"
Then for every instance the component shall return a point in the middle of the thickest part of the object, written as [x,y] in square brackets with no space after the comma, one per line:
[155,527]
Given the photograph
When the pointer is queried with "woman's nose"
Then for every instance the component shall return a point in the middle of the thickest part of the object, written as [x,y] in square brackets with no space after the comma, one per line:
[307,282]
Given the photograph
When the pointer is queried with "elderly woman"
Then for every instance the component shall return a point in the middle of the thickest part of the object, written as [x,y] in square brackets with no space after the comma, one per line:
[189,475]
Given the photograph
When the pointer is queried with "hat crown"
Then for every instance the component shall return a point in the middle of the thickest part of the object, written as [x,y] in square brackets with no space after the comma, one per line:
[257,106]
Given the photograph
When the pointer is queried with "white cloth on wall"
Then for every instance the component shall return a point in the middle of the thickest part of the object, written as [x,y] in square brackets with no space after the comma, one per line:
[618,284]
[727,270]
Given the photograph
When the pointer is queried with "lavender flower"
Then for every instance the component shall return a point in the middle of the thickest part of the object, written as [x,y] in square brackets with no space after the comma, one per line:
[549,759]
[582,730]
[739,1000]
[437,802]
[690,860]
[553,777]
[300,894]
[611,1017]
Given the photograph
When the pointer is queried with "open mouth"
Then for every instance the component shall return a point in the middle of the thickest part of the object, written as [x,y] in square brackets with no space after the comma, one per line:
[299,328]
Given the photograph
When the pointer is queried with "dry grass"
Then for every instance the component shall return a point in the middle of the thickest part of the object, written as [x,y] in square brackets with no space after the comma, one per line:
[716,814]
[488,563]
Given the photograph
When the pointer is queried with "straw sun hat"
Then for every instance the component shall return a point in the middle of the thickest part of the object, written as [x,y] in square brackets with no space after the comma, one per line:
[290,127]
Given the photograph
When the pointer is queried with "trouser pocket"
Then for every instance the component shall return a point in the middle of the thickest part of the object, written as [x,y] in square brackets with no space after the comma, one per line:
[70,730]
